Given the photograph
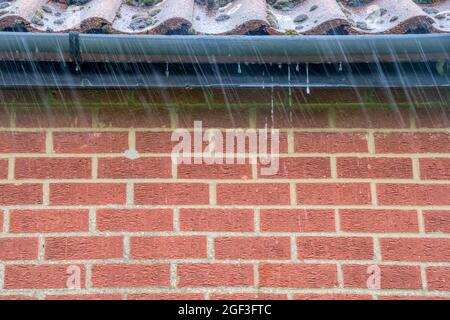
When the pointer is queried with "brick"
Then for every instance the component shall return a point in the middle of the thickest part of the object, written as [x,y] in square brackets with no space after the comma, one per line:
[37,117]
[52,168]
[171,193]
[213,118]
[372,117]
[216,220]
[176,247]
[83,248]
[215,171]
[335,248]
[374,168]
[87,193]
[167,296]
[214,275]
[55,276]
[134,220]
[130,118]
[319,142]
[253,194]
[438,278]
[292,118]
[1,221]
[5,116]
[338,297]
[154,142]
[415,249]
[432,117]
[248,296]
[253,248]
[417,142]
[130,275]
[4,168]
[90,142]
[391,277]
[120,168]
[22,142]
[13,297]
[83,297]
[301,168]
[333,193]
[20,194]
[412,298]
[297,275]
[437,221]
[435,169]
[18,248]
[413,194]
[48,220]
[379,221]
[297,220]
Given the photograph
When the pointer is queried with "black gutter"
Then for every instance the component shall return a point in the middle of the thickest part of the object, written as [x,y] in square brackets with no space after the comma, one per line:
[223,49]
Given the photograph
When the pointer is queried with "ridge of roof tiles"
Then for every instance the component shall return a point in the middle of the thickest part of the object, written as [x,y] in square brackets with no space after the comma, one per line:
[217,17]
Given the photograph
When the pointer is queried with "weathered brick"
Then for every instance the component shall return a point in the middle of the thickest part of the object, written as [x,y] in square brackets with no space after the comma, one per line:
[134,220]
[413,194]
[148,167]
[437,221]
[253,194]
[318,142]
[52,168]
[173,247]
[254,248]
[415,249]
[22,142]
[18,248]
[216,220]
[297,220]
[335,248]
[87,193]
[171,193]
[333,193]
[417,142]
[435,169]
[374,168]
[20,194]
[90,142]
[300,168]
[214,275]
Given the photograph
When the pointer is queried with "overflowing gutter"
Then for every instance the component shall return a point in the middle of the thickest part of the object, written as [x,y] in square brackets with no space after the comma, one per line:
[69,60]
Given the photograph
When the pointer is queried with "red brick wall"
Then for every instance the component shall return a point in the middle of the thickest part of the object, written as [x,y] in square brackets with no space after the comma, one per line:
[357,188]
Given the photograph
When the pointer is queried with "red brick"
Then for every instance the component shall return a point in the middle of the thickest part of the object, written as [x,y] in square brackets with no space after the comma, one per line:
[72,297]
[134,220]
[339,297]
[248,296]
[405,142]
[53,168]
[83,248]
[435,169]
[120,168]
[297,220]
[1,221]
[253,248]
[20,194]
[298,275]
[167,296]
[432,117]
[410,298]
[154,142]
[215,171]
[130,275]
[374,168]
[54,276]
[437,221]
[171,193]
[216,220]
[335,248]
[438,278]
[180,247]
[53,118]
[214,275]
[413,194]
[22,142]
[48,220]
[213,118]
[140,118]
[281,118]
[333,193]
[90,142]
[4,168]
[87,193]
[379,221]
[415,249]
[301,168]
[372,117]
[319,142]
[392,277]
[19,248]
[253,194]
[16,297]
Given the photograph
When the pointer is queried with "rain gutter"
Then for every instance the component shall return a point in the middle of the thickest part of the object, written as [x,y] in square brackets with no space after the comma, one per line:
[76,47]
